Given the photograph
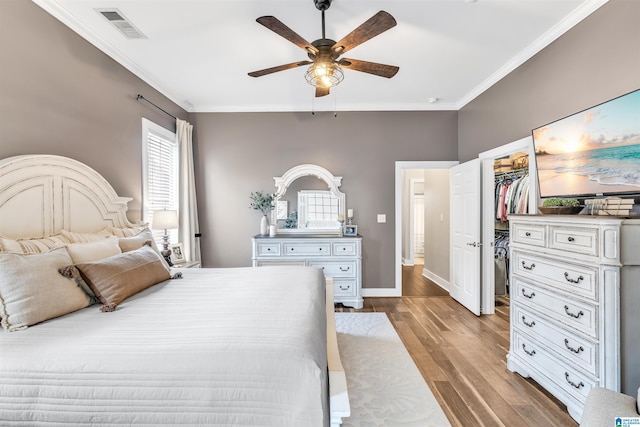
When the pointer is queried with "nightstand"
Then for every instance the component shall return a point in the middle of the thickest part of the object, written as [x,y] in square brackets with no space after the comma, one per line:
[189,264]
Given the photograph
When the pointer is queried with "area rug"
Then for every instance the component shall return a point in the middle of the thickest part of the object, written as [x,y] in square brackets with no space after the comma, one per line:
[385,386]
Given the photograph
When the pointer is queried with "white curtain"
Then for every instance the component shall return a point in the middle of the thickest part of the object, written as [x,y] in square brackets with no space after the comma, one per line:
[188,209]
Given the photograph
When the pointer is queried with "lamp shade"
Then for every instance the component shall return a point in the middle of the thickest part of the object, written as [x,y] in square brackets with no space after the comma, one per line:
[165,219]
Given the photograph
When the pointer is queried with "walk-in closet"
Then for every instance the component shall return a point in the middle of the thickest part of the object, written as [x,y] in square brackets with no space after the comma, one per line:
[511,195]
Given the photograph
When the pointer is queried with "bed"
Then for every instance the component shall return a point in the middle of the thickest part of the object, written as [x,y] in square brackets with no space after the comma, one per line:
[212,347]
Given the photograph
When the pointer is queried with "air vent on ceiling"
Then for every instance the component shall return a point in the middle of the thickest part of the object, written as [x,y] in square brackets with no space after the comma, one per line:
[122,24]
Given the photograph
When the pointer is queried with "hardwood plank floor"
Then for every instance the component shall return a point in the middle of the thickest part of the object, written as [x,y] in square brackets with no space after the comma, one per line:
[463,360]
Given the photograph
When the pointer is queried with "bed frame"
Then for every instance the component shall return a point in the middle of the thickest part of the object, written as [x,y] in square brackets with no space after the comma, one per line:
[40,195]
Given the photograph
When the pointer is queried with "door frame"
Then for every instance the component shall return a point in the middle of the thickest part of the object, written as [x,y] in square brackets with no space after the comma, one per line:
[400,166]
[488,286]
[411,258]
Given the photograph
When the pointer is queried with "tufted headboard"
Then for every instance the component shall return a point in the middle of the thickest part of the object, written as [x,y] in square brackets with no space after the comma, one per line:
[42,194]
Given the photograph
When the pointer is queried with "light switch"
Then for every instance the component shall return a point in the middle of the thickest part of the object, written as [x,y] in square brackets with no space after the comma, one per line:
[441,217]
[382,218]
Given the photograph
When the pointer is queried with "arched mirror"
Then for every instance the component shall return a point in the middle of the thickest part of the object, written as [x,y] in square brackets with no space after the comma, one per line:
[308,200]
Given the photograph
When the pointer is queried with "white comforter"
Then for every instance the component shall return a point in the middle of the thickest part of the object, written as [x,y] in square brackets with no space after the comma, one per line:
[240,347]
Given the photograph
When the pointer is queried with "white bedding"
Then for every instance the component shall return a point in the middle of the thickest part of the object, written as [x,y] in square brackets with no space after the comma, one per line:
[238,347]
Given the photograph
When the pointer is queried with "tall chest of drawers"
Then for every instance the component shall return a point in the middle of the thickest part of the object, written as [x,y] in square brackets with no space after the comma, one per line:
[575,291]
[339,257]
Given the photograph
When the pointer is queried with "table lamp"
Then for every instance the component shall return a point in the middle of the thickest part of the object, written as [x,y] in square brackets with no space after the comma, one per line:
[165,220]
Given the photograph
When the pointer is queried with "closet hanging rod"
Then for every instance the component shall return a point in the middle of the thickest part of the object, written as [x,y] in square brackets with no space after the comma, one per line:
[140,97]
[499,176]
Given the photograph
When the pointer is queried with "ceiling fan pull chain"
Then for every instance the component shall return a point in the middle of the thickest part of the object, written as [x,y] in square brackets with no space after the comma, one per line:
[313,104]
[335,104]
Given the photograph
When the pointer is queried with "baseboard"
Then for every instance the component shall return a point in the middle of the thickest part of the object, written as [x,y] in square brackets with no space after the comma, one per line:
[407,262]
[444,284]
[381,292]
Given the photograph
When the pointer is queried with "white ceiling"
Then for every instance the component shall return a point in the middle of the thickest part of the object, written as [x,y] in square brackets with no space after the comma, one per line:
[198,52]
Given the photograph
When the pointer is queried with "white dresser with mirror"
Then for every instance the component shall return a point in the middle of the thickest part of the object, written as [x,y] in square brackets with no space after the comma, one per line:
[309,232]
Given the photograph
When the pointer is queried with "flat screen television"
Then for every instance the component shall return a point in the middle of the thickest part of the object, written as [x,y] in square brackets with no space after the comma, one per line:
[595,152]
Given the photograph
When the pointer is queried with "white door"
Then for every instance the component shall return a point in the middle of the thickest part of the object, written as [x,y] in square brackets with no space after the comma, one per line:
[464,274]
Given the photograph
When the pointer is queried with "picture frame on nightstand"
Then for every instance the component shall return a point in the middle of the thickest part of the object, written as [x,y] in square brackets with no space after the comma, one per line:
[177,253]
[350,230]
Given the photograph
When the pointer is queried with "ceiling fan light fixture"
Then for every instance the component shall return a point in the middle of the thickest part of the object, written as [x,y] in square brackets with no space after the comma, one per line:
[324,74]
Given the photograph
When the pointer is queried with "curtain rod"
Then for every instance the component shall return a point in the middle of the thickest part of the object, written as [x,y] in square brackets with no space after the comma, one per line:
[139,97]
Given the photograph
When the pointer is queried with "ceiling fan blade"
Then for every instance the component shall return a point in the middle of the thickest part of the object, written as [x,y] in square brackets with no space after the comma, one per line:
[279,68]
[321,91]
[275,25]
[377,24]
[381,70]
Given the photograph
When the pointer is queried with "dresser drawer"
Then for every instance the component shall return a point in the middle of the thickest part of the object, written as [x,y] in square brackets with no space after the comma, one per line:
[574,239]
[345,288]
[345,249]
[336,268]
[575,349]
[268,249]
[574,278]
[530,234]
[306,249]
[571,379]
[570,313]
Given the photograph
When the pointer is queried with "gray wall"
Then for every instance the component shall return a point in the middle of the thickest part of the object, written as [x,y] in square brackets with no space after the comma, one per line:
[61,95]
[240,153]
[595,61]
[436,232]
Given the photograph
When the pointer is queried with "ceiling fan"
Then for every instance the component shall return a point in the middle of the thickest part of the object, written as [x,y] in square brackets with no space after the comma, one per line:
[325,68]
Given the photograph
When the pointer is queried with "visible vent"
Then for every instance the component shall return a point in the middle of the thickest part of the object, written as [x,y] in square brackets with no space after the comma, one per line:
[121,23]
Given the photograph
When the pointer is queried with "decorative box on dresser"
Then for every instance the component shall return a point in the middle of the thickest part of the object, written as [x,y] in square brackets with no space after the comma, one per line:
[339,257]
[575,284]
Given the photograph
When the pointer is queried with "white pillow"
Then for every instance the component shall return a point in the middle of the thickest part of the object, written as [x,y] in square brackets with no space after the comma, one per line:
[32,290]
[94,251]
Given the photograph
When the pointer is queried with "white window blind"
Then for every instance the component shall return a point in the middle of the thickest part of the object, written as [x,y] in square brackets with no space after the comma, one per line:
[160,174]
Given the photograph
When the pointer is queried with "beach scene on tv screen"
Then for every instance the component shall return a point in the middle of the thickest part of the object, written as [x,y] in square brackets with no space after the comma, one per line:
[596,151]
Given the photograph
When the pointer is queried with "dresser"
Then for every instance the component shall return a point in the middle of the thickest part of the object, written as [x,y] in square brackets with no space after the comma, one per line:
[339,257]
[575,287]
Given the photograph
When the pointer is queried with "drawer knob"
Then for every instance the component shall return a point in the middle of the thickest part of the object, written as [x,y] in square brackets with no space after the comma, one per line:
[575,316]
[344,269]
[530,353]
[531,295]
[531,325]
[576,351]
[527,234]
[569,279]
[344,288]
[571,239]
[268,249]
[320,249]
[571,383]
[531,267]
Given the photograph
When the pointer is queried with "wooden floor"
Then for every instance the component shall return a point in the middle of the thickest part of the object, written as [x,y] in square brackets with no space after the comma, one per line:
[463,359]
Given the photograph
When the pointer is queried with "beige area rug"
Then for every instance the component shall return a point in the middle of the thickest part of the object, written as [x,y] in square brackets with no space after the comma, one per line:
[385,386]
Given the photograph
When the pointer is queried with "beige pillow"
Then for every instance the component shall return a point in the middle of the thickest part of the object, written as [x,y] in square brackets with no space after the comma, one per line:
[127,232]
[32,290]
[33,246]
[116,278]
[136,242]
[74,237]
[94,251]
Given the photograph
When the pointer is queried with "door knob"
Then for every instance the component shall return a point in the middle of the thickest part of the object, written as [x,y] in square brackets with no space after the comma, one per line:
[474,244]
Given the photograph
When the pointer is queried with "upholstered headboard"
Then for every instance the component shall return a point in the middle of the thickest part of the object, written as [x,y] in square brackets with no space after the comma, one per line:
[43,194]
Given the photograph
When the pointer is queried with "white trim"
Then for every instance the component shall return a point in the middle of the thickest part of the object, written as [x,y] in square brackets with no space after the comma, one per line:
[568,22]
[488,285]
[382,292]
[399,166]
[444,284]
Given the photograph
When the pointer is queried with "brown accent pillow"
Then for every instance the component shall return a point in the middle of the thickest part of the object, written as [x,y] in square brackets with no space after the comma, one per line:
[32,290]
[116,278]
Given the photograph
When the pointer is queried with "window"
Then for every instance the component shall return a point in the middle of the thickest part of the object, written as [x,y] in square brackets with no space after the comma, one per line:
[159,174]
